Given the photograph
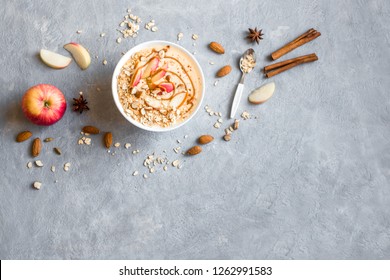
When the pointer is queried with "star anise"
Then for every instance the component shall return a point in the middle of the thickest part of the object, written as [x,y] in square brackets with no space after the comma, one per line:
[80,104]
[255,35]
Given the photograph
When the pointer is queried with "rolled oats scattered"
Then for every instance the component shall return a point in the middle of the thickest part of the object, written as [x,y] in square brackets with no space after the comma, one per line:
[211,62]
[79,31]
[215,83]
[220,120]
[145,176]
[119,40]
[245,115]
[104,62]
[175,163]
[37,185]
[135,173]
[152,170]
[102,34]
[217,125]
[180,36]
[165,168]
[66,166]
[236,124]
[53,168]
[227,137]
[38,163]
[154,28]
[195,36]
[127,146]
[116,145]
[29,164]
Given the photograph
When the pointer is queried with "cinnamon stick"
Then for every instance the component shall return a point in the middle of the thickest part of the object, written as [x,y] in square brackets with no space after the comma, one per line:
[306,37]
[288,64]
[283,63]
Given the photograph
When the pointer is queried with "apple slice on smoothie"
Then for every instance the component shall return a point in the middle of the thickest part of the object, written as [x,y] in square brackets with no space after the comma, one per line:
[178,100]
[151,67]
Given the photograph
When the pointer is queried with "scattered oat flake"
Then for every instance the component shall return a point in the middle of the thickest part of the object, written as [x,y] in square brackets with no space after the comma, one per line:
[245,115]
[53,168]
[104,62]
[195,36]
[29,164]
[165,168]
[211,113]
[37,185]
[154,28]
[66,166]
[135,173]
[185,136]
[116,145]
[211,62]
[102,34]
[215,83]
[175,163]
[79,31]
[217,125]
[220,120]
[180,36]
[127,146]
[152,170]
[38,163]
[119,40]
[145,176]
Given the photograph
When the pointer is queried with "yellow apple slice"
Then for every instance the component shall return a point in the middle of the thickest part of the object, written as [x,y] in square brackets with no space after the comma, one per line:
[178,100]
[262,94]
[80,54]
[54,60]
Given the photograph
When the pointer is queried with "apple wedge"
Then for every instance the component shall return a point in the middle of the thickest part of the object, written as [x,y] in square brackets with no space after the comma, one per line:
[136,77]
[151,67]
[158,76]
[262,94]
[178,100]
[80,54]
[54,60]
[167,87]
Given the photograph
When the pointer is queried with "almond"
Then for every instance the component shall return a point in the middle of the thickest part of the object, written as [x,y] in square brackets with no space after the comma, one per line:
[224,71]
[23,136]
[205,139]
[108,140]
[36,147]
[194,150]
[217,47]
[91,129]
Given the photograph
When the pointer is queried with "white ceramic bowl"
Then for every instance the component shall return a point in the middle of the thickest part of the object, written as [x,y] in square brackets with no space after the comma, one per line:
[127,56]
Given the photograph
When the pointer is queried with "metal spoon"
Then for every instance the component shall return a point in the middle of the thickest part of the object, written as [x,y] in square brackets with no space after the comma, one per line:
[245,70]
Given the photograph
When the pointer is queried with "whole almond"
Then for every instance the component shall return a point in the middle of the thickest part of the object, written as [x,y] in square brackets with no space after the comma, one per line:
[108,139]
[194,150]
[217,47]
[205,139]
[224,71]
[91,129]
[23,136]
[36,147]
[57,151]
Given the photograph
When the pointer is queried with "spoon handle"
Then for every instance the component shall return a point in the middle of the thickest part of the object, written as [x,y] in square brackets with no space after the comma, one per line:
[236,100]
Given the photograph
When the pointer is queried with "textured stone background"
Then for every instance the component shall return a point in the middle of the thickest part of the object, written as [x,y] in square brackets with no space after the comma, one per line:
[308,179]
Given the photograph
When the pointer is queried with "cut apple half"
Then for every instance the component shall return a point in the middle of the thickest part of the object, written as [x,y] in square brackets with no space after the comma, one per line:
[80,54]
[262,94]
[178,100]
[54,60]
[151,67]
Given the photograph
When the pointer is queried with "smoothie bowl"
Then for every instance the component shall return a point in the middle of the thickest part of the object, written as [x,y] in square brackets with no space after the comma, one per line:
[158,86]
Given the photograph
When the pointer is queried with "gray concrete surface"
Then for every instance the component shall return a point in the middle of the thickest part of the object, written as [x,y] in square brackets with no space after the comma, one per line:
[309,178]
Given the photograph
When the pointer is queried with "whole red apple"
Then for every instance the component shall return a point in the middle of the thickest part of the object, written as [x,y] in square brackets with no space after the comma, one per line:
[44,104]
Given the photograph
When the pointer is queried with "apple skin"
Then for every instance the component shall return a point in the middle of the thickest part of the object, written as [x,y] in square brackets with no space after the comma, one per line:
[43,104]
